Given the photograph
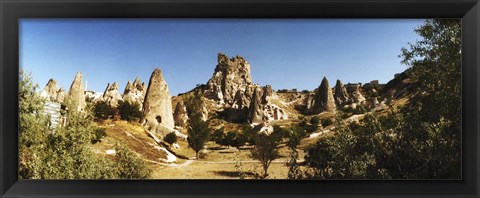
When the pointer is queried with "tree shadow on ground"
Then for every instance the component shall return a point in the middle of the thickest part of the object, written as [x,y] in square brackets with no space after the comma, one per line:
[234,173]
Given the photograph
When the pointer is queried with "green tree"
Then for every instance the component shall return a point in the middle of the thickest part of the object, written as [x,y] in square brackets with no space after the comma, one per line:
[198,130]
[104,111]
[430,135]
[130,112]
[265,150]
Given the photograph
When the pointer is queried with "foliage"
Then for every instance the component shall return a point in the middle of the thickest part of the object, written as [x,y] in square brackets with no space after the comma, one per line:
[62,152]
[420,141]
[99,134]
[265,150]
[129,112]
[327,122]
[104,111]
[198,131]
[235,139]
[170,138]
[129,165]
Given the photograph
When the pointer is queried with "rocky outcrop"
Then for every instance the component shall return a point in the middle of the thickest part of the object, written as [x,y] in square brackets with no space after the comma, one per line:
[76,94]
[267,93]
[157,107]
[52,93]
[357,96]
[323,99]
[256,110]
[93,97]
[230,75]
[180,115]
[111,95]
[341,95]
[134,93]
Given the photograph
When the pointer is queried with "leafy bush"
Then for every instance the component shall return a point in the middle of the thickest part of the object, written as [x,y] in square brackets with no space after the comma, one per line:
[130,112]
[129,165]
[327,122]
[170,138]
[99,134]
[104,111]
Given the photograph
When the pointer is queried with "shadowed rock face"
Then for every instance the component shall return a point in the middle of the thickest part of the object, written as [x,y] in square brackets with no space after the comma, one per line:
[230,76]
[157,107]
[323,100]
[76,94]
[111,95]
[341,95]
[134,93]
[180,115]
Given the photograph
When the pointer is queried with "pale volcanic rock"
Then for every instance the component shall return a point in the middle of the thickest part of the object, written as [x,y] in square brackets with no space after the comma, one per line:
[341,95]
[157,107]
[267,93]
[111,95]
[180,115]
[256,110]
[93,96]
[134,93]
[51,92]
[76,94]
[230,75]
[323,100]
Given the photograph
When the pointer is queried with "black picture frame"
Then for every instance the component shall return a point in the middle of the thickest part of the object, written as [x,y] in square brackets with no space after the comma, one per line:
[11,11]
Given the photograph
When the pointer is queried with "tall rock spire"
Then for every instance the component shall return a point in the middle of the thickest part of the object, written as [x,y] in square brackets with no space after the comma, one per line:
[323,100]
[76,94]
[157,106]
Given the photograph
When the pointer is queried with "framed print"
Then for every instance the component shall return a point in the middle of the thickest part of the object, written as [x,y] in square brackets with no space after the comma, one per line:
[242,99]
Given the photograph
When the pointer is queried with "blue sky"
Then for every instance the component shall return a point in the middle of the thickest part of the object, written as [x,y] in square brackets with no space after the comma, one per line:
[294,53]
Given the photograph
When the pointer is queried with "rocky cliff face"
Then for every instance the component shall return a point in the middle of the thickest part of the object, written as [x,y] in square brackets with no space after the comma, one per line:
[76,94]
[157,107]
[111,95]
[134,93]
[341,95]
[323,99]
[230,75]
[52,93]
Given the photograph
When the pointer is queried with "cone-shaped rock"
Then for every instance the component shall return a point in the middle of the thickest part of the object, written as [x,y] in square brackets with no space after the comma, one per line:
[255,110]
[76,94]
[180,115]
[111,95]
[323,100]
[50,92]
[157,107]
[341,95]
[230,75]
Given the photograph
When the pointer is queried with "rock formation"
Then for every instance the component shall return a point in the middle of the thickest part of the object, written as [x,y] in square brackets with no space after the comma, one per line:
[52,93]
[323,100]
[267,93]
[134,93]
[157,107]
[341,95]
[111,95]
[357,96]
[230,75]
[256,110]
[180,115]
[76,94]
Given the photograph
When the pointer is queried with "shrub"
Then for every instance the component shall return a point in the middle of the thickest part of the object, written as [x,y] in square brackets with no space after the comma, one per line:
[104,111]
[170,138]
[130,112]
[327,122]
[99,134]
[129,165]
